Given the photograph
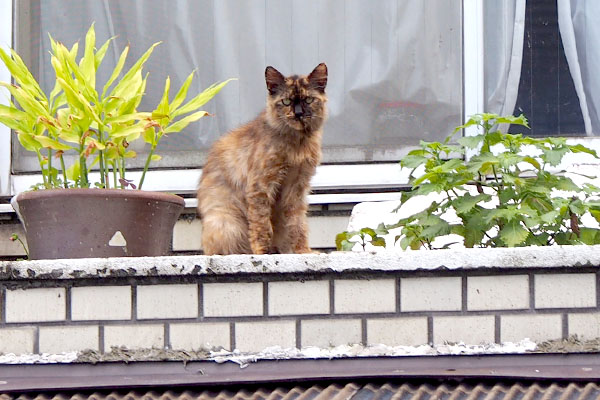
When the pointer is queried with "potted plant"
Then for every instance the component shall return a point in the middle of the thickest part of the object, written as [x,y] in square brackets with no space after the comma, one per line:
[77,128]
[509,193]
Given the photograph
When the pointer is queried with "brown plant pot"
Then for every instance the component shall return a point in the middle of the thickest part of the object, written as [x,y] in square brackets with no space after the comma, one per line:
[82,223]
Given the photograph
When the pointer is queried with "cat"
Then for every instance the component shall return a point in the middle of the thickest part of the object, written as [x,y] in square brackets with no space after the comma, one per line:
[252,196]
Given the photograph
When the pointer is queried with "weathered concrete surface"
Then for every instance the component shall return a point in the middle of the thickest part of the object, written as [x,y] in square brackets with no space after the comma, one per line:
[454,259]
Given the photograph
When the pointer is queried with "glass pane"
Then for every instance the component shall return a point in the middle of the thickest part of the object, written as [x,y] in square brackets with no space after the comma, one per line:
[395,66]
[539,84]
[546,92]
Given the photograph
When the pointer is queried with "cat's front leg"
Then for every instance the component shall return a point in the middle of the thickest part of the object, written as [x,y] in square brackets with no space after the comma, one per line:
[260,199]
[297,225]
[298,233]
[294,207]
[260,230]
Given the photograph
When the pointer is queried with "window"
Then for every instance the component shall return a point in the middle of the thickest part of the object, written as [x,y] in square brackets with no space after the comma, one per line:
[548,96]
[541,59]
[396,68]
[392,80]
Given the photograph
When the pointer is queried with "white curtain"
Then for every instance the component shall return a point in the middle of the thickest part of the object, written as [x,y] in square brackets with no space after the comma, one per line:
[395,66]
[579,24]
[504,23]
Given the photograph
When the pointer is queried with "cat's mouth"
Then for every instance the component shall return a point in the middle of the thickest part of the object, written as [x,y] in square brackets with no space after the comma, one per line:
[305,118]
[301,121]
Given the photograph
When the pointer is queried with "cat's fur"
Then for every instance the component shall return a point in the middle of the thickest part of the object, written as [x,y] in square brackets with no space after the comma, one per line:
[252,197]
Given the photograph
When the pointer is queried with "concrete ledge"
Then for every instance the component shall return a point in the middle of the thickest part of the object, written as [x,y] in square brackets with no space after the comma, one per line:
[388,261]
[249,303]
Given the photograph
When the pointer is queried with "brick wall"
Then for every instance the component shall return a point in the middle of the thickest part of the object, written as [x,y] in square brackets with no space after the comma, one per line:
[253,302]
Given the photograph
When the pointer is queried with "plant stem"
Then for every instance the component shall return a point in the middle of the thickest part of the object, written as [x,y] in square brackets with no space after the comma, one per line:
[50,167]
[24,247]
[122,169]
[39,156]
[146,165]
[114,170]
[64,171]
[488,236]
[84,171]
[103,175]
[82,168]
[500,186]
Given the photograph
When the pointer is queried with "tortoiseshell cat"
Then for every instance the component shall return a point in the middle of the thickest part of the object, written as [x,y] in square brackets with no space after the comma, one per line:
[252,197]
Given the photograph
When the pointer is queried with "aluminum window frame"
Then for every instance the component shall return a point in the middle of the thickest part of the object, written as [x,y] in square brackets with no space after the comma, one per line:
[6,32]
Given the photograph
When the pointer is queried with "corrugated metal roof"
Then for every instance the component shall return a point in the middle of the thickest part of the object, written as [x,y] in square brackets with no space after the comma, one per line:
[353,391]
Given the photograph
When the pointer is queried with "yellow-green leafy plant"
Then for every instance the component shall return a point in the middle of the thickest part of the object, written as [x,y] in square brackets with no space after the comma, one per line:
[95,125]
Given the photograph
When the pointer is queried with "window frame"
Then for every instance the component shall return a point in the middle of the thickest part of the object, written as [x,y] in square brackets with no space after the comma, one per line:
[6,28]
[350,181]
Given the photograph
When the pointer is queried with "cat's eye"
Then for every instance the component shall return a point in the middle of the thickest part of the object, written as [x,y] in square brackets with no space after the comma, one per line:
[286,102]
[309,100]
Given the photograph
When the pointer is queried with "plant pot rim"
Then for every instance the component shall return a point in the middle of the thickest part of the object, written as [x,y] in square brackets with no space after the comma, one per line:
[94,192]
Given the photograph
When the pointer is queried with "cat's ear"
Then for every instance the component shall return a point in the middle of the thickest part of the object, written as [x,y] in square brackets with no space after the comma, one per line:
[274,79]
[318,77]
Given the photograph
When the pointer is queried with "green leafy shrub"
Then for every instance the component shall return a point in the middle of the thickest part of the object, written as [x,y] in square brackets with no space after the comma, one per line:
[508,194]
[346,240]
[97,126]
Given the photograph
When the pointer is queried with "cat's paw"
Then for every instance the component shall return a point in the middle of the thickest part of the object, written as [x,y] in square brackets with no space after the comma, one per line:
[307,250]
[265,250]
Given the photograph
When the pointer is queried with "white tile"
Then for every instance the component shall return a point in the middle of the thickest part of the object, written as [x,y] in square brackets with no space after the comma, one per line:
[431,294]
[59,339]
[322,230]
[187,234]
[17,340]
[35,305]
[134,336]
[364,296]
[585,326]
[325,333]
[409,331]
[232,299]
[199,336]
[565,290]
[90,303]
[471,330]
[167,301]
[538,328]
[292,298]
[257,336]
[508,292]
[7,246]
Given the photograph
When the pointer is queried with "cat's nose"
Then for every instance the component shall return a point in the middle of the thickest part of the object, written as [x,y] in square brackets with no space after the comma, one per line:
[298,112]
